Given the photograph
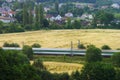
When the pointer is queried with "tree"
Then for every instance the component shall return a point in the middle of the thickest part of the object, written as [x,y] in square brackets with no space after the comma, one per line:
[27,50]
[35,45]
[25,14]
[103,17]
[116,59]
[41,15]
[105,47]
[76,24]
[93,54]
[37,24]
[57,7]
[39,64]
[75,75]
[98,71]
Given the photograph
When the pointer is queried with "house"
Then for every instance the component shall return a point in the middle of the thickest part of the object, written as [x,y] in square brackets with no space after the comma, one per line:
[6,19]
[69,15]
[86,17]
[115,5]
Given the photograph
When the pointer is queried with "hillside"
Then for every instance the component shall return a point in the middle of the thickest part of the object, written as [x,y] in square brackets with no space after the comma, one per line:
[63,38]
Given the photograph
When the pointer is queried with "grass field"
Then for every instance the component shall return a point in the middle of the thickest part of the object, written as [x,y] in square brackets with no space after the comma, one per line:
[59,67]
[63,38]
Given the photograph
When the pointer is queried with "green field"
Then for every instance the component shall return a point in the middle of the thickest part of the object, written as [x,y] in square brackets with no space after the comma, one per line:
[63,38]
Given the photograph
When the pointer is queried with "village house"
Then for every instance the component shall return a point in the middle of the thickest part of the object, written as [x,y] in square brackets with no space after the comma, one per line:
[115,5]
[6,19]
[69,15]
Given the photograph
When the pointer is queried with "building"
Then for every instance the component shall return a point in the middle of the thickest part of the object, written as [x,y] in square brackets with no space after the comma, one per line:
[69,15]
[115,5]
[6,19]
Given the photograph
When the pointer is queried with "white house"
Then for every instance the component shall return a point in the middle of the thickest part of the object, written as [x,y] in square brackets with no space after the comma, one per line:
[6,19]
[115,5]
[69,15]
[58,18]
[86,16]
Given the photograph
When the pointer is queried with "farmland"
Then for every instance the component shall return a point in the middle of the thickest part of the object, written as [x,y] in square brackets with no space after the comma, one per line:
[63,38]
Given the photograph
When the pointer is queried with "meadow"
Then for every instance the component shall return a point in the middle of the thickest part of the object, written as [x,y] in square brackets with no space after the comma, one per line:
[63,38]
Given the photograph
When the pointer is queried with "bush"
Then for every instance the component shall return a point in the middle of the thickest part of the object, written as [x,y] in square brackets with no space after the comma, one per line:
[27,50]
[35,45]
[93,54]
[116,59]
[105,47]
[81,46]
[39,64]
[98,71]
[75,75]
[10,45]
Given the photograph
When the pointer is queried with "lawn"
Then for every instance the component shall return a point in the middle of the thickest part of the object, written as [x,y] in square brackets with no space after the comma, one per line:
[63,38]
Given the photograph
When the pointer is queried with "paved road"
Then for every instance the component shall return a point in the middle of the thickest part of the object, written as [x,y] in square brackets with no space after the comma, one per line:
[61,51]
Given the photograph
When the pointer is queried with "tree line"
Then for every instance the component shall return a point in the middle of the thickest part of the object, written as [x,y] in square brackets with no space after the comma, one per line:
[15,65]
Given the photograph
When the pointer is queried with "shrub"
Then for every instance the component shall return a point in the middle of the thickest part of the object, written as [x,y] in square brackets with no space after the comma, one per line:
[10,45]
[81,46]
[98,71]
[35,45]
[93,54]
[105,47]
[27,50]
[116,59]
[75,75]
[39,64]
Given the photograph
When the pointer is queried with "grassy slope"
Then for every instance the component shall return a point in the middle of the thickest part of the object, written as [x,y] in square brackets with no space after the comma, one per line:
[62,38]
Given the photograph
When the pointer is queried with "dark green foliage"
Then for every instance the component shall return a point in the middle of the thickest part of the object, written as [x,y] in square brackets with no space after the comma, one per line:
[75,75]
[81,46]
[27,50]
[62,76]
[39,64]
[93,54]
[76,24]
[30,73]
[117,74]
[6,44]
[105,47]
[98,71]
[116,59]
[36,45]
[16,66]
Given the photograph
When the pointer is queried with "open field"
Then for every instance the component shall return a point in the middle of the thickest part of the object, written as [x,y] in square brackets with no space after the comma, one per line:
[61,67]
[63,38]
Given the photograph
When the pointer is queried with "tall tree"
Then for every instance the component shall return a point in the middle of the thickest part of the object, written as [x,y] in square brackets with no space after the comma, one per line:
[57,7]
[37,26]
[41,15]
[25,14]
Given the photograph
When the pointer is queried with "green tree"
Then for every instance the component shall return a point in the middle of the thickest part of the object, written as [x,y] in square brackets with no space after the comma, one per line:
[98,71]
[103,17]
[39,64]
[37,24]
[27,50]
[93,54]
[57,7]
[105,47]
[35,45]
[41,15]
[116,59]
[75,75]
[76,24]
[25,14]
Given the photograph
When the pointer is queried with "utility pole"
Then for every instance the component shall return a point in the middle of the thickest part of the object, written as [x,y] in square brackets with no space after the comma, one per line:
[71,48]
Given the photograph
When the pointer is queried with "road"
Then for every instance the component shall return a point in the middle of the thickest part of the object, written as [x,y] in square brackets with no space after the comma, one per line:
[61,51]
